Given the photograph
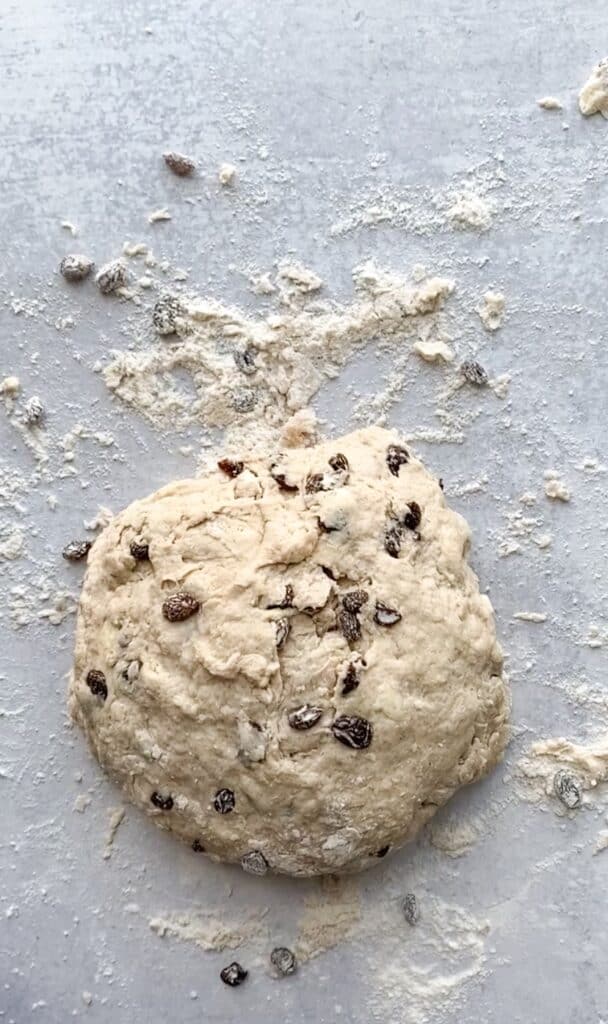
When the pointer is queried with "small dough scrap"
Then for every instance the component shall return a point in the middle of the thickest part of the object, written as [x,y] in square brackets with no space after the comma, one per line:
[555,488]
[550,103]
[492,310]
[593,97]
[292,676]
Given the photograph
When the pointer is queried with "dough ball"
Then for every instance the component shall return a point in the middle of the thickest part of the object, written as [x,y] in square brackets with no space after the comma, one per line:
[288,662]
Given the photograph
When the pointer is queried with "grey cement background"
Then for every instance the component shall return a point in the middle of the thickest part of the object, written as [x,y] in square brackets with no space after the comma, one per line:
[302,96]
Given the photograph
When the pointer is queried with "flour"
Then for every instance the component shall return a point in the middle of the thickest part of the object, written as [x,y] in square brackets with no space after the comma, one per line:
[292,353]
[117,816]
[209,932]
[471,212]
[331,915]
[453,838]
[536,770]
[593,97]
[555,488]
[12,545]
[491,311]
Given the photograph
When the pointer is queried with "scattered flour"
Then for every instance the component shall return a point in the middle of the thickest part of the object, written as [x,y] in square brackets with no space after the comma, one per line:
[536,770]
[117,816]
[492,310]
[452,837]
[207,931]
[330,916]
[593,97]
[555,488]
[471,212]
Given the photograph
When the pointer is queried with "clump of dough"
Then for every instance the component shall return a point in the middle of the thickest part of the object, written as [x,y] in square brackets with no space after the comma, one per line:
[288,663]
[593,97]
[492,310]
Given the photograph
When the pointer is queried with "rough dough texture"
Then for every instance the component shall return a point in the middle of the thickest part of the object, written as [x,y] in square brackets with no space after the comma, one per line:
[593,97]
[194,716]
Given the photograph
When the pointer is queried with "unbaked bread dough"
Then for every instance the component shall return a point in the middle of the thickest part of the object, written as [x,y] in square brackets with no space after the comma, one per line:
[288,662]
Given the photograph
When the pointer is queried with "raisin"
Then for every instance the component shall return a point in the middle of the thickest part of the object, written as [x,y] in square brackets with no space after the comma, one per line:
[224,801]
[411,519]
[410,908]
[282,631]
[244,399]
[382,852]
[179,163]
[281,481]
[396,457]
[233,974]
[474,373]
[567,788]
[392,541]
[324,528]
[140,550]
[131,672]
[441,483]
[96,682]
[76,550]
[165,313]
[386,616]
[197,846]
[285,602]
[350,679]
[75,267]
[180,606]
[349,624]
[245,361]
[328,572]
[112,276]
[339,463]
[164,803]
[254,863]
[354,600]
[304,717]
[353,731]
[230,467]
[284,960]
[33,413]
[314,483]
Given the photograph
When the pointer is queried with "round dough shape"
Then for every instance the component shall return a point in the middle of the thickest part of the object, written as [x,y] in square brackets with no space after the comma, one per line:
[288,662]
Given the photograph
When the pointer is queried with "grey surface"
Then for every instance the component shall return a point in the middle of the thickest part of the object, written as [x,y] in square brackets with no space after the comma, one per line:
[88,101]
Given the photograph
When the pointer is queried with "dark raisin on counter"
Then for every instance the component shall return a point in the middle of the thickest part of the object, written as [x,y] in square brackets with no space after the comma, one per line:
[231,467]
[410,908]
[96,682]
[354,600]
[197,846]
[339,463]
[282,630]
[139,550]
[386,616]
[224,801]
[474,373]
[353,731]
[284,960]
[179,163]
[304,717]
[349,624]
[233,974]
[164,803]
[567,789]
[76,550]
[411,519]
[254,863]
[180,606]
[396,457]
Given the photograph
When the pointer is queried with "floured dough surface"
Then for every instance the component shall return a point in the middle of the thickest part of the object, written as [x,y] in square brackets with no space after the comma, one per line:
[288,662]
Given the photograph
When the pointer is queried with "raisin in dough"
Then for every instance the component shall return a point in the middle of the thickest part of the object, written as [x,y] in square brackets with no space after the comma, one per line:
[288,662]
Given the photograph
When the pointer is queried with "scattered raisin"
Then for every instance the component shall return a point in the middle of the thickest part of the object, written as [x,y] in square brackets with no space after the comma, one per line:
[396,457]
[244,399]
[314,483]
[254,863]
[112,276]
[350,679]
[352,731]
[349,625]
[304,717]
[75,267]
[282,631]
[179,163]
[164,803]
[354,600]
[410,908]
[245,361]
[233,974]
[382,852]
[441,483]
[165,313]
[224,801]
[285,602]
[411,519]
[392,541]
[567,788]
[339,463]
[96,682]
[140,550]
[281,481]
[474,373]
[197,846]
[180,606]
[76,550]
[284,960]
[386,616]
[328,572]
[231,467]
